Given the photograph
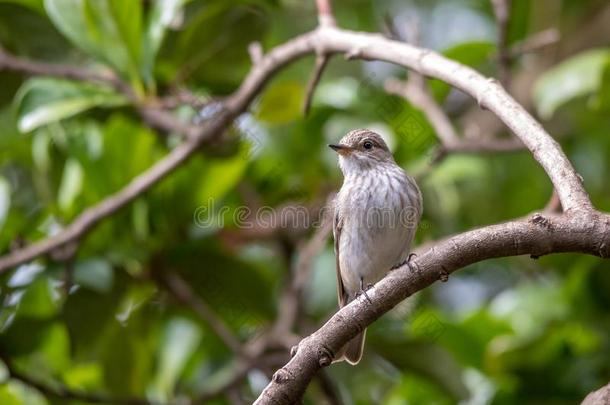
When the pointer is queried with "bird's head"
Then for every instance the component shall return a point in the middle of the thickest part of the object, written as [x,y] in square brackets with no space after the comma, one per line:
[361,150]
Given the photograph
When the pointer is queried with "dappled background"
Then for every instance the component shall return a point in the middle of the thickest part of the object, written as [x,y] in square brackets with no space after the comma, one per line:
[166,300]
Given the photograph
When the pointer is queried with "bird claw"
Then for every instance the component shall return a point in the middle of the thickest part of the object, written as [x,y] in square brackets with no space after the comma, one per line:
[363,291]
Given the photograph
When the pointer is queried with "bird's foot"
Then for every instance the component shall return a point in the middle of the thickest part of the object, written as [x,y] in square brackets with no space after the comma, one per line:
[363,290]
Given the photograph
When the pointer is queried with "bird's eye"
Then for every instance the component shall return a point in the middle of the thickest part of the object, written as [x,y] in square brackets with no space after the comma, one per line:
[367,145]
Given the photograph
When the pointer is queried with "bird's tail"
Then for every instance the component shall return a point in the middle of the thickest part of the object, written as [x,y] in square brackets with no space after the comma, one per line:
[352,351]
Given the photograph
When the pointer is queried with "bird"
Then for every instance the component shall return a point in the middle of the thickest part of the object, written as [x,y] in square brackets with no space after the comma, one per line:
[376,213]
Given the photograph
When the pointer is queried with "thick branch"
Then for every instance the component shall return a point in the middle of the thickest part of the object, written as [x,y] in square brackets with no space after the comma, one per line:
[599,397]
[488,93]
[586,233]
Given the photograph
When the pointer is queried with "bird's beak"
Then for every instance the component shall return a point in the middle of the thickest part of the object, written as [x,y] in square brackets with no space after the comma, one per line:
[340,149]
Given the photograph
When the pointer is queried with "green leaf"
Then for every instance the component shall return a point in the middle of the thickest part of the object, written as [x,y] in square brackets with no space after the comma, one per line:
[71,184]
[41,142]
[281,103]
[18,339]
[413,389]
[38,300]
[126,349]
[41,101]
[221,176]
[110,31]
[17,393]
[179,342]
[140,219]
[578,76]
[209,50]
[161,16]
[603,94]
[53,356]
[84,376]
[468,53]
[94,273]
[5,200]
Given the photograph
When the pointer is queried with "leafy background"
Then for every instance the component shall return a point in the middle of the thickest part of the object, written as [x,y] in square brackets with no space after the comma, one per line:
[510,331]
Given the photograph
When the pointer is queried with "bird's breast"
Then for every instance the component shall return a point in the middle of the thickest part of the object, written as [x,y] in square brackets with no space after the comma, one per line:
[376,233]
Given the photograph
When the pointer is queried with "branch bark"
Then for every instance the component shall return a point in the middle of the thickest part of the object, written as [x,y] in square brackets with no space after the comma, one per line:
[540,235]
[579,229]
[599,397]
[488,92]
[501,10]
[14,63]
[418,95]
[329,39]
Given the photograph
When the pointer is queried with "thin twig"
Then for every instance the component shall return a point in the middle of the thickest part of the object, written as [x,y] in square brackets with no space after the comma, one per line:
[502,12]
[416,91]
[181,291]
[255,50]
[420,97]
[17,64]
[321,62]
[535,42]
[554,204]
[326,17]
[357,44]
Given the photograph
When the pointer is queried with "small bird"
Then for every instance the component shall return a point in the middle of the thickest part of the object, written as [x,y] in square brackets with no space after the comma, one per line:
[376,214]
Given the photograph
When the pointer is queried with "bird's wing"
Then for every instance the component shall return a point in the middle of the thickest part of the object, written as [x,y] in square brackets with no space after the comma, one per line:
[337,227]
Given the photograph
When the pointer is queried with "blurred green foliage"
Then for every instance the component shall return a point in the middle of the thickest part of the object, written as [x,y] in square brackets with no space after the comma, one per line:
[510,331]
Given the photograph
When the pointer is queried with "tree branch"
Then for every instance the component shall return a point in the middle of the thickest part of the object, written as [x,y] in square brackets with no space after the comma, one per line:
[535,42]
[367,46]
[540,235]
[181,291]
[579,229]
[487,92]
[599,397]
[501,10]
[320,64]
[418,95]
[17,64]
[325,14]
